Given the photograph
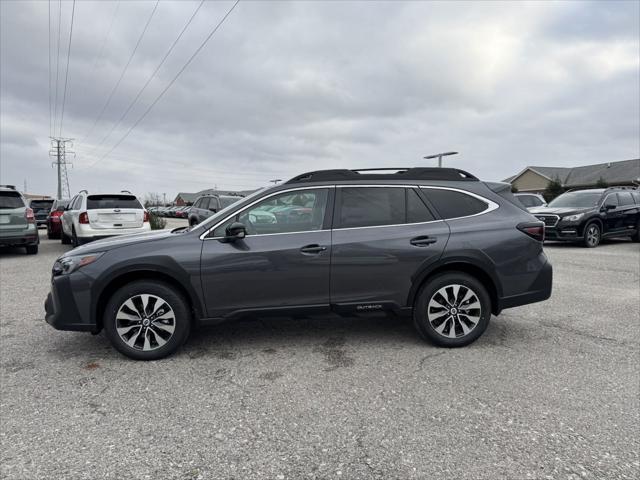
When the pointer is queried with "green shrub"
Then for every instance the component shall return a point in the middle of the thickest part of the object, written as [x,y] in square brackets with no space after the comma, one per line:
[157,223]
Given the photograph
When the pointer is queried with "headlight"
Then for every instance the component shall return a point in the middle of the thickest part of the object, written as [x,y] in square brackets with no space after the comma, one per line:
[66,265]
[573,218]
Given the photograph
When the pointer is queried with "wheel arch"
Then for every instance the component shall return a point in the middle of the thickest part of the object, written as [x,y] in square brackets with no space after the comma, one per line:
[590,220]
[469,266]
[124,278]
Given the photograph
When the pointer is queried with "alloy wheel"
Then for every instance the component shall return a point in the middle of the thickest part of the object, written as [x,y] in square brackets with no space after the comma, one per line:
[145,322]
[593,235]
[454,311]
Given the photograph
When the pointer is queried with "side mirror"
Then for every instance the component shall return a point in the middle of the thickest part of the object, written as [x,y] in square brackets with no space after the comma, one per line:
[235,231]
[214,210]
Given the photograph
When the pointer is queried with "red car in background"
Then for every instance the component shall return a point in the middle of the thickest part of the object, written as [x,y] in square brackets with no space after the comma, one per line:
[54,226]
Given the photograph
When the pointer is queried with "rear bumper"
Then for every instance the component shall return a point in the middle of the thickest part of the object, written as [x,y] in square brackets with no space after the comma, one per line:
[87,234]
[27,237]
[69,297]
[539,291]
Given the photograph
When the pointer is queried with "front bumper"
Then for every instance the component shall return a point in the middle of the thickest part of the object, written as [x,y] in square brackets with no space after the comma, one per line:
[67,306]
[539,290]
[567,233]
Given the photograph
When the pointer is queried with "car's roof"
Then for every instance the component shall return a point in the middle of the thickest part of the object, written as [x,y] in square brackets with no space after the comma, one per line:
[403,174]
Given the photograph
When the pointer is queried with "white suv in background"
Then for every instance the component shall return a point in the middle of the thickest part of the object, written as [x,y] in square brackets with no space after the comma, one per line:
[94,216]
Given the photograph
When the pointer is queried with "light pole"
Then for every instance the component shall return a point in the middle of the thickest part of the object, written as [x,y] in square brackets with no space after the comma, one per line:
[439,157]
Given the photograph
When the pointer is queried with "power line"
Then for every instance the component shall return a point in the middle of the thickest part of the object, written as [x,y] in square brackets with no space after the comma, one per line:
[215,29]
[166,55]
[66,75]
[55,111]
[106,37]
[113,91]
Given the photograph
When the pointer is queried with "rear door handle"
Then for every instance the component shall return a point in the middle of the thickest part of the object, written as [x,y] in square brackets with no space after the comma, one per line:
[314,248]
[422,241]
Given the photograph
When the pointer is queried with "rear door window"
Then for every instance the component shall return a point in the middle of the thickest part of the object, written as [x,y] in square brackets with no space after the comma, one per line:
[417,211]
[10,200]
[112,201]
[625,198]
[371,206]
[454,204]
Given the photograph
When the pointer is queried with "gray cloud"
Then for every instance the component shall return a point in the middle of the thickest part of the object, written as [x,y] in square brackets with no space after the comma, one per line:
[285,87]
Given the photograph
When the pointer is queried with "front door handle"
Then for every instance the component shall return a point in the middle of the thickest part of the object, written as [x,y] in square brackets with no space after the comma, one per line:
[314,248]
[422,241]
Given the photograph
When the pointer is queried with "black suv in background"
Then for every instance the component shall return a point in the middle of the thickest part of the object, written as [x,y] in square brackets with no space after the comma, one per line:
[207,205]
[433,243]
[41,209]
[588,216]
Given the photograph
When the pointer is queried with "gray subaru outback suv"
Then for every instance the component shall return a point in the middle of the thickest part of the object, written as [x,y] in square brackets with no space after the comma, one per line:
[435,244]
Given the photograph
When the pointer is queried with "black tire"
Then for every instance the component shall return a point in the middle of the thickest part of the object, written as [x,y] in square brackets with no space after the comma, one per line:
[74,239]
[133,290]
[31,249]
[430,291]
[636,236]
[592,235]
[64,238]
[193,222]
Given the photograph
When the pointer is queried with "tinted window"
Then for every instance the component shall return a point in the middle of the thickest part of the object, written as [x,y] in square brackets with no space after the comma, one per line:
[417,211]
[298,211]
[226,201]
[451,204]
[612,199]
[625,198]
[112,201]
[41,204]
[11,200]
[529,200]
[371,206]
[583,199]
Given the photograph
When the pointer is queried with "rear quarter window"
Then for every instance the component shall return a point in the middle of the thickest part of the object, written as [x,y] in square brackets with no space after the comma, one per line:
[11,200]
[112,201]
[453,204]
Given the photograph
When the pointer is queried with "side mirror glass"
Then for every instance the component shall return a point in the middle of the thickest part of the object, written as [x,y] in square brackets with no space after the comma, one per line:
[235,231]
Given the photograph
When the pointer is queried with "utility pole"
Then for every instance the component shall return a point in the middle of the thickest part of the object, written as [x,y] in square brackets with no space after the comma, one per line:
[59,151]
[164,199]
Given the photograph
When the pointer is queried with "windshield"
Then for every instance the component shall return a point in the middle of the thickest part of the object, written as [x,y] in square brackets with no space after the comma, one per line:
[225,201]
[576,199]
[41,204]
[213,219]
[529,200]
[10,200]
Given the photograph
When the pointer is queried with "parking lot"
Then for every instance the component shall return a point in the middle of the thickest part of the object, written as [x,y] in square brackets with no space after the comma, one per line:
[550,391]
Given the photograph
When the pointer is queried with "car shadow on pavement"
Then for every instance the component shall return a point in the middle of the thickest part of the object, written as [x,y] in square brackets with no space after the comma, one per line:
[326,334]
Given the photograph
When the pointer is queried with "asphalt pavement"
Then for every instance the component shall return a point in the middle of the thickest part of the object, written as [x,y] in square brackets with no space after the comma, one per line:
[552,390]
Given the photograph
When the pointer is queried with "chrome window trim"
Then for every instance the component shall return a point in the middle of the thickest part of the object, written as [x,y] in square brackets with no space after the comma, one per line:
[491,205]
[203,236]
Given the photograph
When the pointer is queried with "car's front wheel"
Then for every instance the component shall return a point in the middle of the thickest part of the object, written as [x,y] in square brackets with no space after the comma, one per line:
[592,235]
[452,310]
[147,320]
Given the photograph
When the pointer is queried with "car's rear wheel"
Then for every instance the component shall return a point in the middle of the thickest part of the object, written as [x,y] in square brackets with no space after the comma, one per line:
[592,235]
[31,249]
[74,238]
[64,238]
[147,320]
[452,310]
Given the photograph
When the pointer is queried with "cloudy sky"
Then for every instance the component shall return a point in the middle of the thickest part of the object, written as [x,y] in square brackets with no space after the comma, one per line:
[286,87]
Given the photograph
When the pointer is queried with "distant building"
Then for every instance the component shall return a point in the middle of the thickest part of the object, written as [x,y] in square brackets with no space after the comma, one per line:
[536,179]
[186,198]
[36,196]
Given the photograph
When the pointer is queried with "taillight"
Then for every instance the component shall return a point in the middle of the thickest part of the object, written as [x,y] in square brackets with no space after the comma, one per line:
[56,214]
[84,218]
[28,214]
[146,216]
[534,230]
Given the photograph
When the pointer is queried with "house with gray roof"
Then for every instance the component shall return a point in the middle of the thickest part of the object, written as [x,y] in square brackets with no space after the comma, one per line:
[535,179]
